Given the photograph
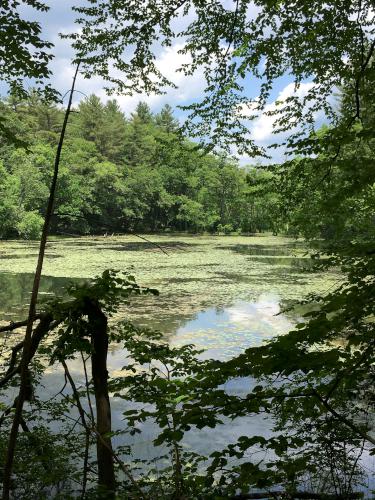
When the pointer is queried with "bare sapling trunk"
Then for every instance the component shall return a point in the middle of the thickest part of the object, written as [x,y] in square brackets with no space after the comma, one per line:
[27,346]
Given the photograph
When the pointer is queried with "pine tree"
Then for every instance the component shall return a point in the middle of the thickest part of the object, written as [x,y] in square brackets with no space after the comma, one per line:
[143,113]
[166,120]
[103,124]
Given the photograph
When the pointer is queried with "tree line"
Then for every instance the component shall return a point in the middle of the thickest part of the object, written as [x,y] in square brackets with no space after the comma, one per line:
[122,174]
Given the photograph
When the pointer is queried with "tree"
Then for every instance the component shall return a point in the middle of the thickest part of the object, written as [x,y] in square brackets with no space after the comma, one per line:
[325,362]
[45,114]
[23,54]
[115,124]
[143,113]
[118,175]
[27,345]
[9,208]
[166,120]
[263,204]
[104,124]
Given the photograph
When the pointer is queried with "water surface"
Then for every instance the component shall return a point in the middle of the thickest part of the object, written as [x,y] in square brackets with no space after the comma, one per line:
[195,274]
[222,294]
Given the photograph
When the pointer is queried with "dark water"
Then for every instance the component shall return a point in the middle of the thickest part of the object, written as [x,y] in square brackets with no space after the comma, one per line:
[15,291]
[222,331]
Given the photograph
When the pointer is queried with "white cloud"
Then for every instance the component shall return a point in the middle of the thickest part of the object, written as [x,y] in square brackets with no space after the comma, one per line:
[264,312]
[60,19]
[188,87]
[261,129]
[168,61]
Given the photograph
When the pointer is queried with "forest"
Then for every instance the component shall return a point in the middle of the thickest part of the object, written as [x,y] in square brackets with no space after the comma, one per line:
[143,175]
[216,337]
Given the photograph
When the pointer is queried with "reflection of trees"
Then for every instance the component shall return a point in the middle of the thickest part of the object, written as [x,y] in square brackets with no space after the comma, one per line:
[15,292]
[294,311]
[168,313]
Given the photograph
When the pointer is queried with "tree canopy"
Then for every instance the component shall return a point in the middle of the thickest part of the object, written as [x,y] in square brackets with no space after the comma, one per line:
[123,174]
[23,53]
[238,45]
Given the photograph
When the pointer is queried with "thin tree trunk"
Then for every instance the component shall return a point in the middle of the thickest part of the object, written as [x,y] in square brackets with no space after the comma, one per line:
[92,429]
[99,339]
[27,348]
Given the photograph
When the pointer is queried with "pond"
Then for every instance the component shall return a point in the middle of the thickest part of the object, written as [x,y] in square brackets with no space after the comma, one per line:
[193,274]
[221,293]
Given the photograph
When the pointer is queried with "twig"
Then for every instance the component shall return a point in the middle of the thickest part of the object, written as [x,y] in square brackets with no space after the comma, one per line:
[46,324]
[343,419]
[34,442]
[87,386]
[340,376]
[85,463]
[303,495]
[83,421]
[151,242]
[60,393]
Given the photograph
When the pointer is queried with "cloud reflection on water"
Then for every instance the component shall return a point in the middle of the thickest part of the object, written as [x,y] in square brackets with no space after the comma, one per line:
[225,332]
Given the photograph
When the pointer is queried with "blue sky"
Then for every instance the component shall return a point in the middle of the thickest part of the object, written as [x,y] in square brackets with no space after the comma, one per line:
[60,19]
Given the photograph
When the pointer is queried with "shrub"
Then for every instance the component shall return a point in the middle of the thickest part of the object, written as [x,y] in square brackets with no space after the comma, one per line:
[30,226]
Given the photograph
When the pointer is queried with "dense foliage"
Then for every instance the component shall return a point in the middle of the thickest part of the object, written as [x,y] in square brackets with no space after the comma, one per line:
[122,174]
[24,54]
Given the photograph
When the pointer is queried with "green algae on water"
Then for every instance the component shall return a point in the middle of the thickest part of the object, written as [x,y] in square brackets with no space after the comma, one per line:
[192,272]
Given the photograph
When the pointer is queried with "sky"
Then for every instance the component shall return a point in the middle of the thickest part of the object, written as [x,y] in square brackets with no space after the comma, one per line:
[60,19]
